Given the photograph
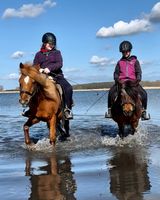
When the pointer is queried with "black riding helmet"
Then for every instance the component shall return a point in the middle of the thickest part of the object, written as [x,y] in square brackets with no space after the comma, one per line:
[125,46]
[49,38]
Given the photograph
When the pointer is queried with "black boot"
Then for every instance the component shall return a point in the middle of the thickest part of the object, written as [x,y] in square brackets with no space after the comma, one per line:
[109,114]
[68,114]
[144,115]
[26,113]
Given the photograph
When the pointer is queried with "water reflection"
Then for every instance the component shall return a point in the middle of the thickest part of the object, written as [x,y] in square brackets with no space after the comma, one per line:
[128,175]
[50,178]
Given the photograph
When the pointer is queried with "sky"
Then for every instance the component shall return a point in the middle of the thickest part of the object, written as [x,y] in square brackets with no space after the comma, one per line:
[88,35]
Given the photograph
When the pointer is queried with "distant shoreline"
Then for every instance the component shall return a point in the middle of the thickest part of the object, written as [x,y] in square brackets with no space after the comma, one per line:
[78,90]
[106,89]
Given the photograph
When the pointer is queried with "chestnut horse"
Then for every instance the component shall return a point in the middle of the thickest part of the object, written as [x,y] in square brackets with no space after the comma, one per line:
[127,107]
[44,100]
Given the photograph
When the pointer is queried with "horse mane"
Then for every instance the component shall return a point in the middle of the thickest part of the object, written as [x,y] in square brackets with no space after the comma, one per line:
[131,89]
[49,86]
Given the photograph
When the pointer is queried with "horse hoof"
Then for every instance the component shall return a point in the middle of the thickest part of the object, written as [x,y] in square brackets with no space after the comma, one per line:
[121,136]
[28,142]
[62,138]
[52,143]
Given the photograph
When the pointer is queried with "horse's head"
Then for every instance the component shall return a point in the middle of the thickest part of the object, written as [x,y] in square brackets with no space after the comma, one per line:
[127,103]
[129,97]
[27,85]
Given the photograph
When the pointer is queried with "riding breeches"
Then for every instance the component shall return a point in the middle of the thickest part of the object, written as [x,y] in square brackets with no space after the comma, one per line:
[143,95]
[113,92]
[67,90]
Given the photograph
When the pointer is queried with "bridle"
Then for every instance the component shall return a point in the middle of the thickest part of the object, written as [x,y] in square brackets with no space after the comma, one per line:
[27,92]
[128,97]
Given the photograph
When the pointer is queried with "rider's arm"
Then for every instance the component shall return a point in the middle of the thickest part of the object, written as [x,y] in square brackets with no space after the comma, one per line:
[138,71]
[116,73]
[36,60]
[57,61]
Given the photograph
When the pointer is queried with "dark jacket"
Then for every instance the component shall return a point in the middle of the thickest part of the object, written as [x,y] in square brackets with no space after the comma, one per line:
[137,68]
[51,60]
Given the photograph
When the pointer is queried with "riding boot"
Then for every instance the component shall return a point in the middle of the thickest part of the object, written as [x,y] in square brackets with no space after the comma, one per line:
[68,114]
[109,114]
[26,113]
[144,115]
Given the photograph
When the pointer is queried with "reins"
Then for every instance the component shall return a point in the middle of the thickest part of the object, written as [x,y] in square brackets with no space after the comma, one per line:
[94,103]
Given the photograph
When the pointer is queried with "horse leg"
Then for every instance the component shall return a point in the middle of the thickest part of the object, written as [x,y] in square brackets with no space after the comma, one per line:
[63,127]
[66,126]
[121,131]
[134,125]
[26,127]
[52,129]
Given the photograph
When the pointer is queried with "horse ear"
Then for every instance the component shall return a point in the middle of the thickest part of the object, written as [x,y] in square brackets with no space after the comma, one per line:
[21,65]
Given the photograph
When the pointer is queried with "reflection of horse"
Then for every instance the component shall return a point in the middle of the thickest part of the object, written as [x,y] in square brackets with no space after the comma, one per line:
[51,179]
[128,174]
[41,95]
[127,108]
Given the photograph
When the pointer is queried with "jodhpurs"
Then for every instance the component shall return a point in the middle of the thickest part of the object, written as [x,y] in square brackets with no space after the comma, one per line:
[67,90]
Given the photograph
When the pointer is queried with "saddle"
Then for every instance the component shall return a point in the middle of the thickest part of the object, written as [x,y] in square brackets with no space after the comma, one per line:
[58,86]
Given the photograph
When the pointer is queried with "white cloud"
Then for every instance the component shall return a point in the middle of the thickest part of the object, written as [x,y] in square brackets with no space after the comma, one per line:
[71,70]
[13,76]
[28,10]
[17,54]
[101,61]
[134,26]
[124,28]
[155,13]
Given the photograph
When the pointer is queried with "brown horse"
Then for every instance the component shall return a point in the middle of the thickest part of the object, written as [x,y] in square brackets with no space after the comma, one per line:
[127,108]
[44,100]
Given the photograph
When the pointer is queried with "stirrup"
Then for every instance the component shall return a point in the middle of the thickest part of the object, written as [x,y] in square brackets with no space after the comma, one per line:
[68,114]
[145,116]
[108,115]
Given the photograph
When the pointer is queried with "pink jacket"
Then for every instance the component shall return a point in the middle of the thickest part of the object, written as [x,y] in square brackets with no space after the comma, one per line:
[128,69]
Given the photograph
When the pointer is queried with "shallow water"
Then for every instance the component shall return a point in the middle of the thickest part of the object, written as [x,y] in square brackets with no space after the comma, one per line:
[93,164]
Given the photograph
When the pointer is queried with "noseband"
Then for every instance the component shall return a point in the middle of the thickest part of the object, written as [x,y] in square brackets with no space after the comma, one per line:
[27,92]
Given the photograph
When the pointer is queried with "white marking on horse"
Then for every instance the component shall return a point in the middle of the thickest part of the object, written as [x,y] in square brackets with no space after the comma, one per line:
[26,79]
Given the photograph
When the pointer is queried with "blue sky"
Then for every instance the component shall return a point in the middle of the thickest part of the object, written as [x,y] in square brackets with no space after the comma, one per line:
[88,35]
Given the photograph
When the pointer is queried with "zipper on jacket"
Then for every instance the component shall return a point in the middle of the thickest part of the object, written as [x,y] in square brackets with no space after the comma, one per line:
[127,69]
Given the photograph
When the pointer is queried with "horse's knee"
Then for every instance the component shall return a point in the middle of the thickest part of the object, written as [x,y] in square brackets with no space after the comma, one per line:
[25,128]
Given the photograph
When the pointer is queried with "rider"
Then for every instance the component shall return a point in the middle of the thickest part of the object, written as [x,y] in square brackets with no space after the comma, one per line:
[51,62]
[127,68]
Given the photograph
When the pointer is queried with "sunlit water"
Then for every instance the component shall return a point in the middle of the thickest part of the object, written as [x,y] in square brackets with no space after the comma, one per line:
[93,164]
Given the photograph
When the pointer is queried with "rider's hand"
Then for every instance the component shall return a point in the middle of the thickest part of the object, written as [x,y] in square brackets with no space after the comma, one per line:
[46,70]
[41,70]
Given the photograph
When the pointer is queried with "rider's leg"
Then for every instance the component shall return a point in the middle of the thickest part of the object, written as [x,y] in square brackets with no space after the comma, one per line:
[111,97]
[108,114]
[143,94]
[68,93]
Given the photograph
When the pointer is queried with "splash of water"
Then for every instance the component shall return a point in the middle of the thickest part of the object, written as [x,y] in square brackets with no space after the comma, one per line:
[42,145]
[139,138]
